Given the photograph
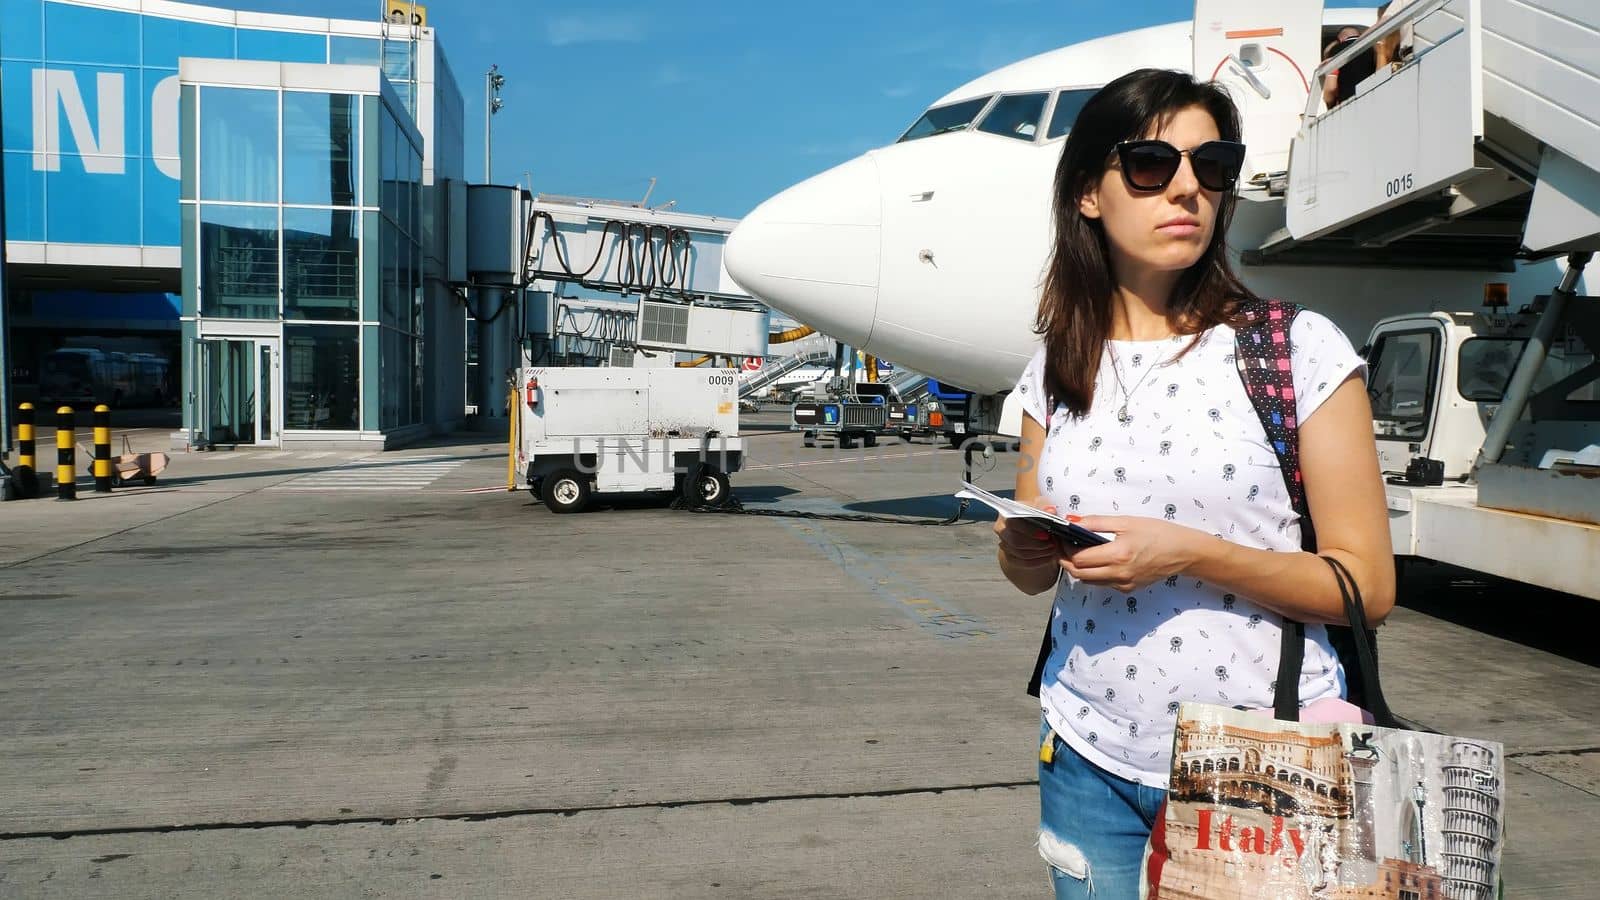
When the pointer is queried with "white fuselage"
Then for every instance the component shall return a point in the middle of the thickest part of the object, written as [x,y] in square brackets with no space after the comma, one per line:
[930,252]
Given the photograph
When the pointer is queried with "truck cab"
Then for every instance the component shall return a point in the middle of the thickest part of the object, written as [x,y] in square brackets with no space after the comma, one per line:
[1436,381]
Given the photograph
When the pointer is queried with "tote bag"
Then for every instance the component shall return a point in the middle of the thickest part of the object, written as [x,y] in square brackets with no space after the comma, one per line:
[1265,807]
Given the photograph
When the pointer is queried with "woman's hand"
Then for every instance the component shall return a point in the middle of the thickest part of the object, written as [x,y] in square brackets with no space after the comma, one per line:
[1027,546]
[1145,551]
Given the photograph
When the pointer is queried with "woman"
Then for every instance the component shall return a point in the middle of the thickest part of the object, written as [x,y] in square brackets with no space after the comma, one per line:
[1137,420]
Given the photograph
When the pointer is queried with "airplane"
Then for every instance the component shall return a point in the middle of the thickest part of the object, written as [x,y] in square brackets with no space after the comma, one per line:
[931,251]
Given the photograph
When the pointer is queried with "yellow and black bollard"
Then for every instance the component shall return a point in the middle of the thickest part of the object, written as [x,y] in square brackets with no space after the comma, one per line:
[66,479]
[27,462]
[102,449]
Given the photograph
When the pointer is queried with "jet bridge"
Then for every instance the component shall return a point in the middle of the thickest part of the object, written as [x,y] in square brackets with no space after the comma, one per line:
[671,262]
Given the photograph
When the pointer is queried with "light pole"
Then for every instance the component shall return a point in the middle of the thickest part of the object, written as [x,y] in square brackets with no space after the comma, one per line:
[492,82]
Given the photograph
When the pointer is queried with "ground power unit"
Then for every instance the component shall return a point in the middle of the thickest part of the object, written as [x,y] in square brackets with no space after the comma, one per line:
[585,432]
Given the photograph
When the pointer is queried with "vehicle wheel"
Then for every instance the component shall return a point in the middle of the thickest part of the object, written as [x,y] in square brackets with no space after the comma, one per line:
[809,439]
[847,441]
[955,440]
[711,489]
[116,478]
[567,492]
[869,440]
[148,479]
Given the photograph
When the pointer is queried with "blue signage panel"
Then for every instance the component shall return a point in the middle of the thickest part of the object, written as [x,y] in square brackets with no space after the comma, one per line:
[90,131]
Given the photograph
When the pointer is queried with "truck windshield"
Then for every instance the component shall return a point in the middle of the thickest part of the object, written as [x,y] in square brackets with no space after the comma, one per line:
[1401,386]
[1484,368]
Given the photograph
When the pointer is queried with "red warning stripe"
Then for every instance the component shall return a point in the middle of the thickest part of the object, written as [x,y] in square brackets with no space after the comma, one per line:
[1254,33]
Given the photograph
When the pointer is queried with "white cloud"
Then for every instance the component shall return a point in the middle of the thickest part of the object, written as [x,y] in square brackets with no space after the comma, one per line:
[591,28]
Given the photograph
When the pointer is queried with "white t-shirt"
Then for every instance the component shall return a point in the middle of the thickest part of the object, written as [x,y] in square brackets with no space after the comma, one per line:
[1193,451]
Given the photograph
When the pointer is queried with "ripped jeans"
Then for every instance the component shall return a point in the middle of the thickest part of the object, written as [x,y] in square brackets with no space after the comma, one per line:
[1092,825]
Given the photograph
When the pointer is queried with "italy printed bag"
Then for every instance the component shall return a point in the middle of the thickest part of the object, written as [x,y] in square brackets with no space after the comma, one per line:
[1266,809]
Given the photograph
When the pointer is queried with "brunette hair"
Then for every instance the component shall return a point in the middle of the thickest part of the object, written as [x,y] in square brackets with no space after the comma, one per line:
[1074,314]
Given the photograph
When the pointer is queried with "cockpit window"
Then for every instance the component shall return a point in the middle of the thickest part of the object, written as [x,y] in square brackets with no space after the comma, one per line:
[942,119]
[1016,116]
[1068,105]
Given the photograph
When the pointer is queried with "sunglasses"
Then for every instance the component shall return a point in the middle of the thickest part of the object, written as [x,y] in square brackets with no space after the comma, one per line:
[1150,165]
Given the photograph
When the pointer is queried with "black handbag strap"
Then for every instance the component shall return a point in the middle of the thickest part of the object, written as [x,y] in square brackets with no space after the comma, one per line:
[1286,692]
[1355,612]
[1291,656]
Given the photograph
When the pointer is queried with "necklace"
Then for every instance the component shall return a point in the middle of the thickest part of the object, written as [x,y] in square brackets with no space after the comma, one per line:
[1127,396]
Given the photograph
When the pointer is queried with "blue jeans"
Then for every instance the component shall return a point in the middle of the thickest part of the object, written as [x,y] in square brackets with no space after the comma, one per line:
[1092,825]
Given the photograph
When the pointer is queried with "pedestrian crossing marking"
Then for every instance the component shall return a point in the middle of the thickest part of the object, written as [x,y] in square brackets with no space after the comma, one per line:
[410,473]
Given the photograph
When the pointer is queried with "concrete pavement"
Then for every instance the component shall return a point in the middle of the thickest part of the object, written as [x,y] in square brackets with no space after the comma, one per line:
[223,686]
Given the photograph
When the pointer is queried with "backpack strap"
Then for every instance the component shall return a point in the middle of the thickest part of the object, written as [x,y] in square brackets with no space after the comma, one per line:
[1262,352]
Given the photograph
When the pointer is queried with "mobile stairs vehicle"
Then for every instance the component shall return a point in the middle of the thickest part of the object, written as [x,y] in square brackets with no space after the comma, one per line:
[1487,423]
[582,432]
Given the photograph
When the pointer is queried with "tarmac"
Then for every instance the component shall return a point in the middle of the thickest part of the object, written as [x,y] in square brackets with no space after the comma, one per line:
[281,674]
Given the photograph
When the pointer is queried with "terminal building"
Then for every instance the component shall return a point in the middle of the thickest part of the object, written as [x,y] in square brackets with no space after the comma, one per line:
[257,206]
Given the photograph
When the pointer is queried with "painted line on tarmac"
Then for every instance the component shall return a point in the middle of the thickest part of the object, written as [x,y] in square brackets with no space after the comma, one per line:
[933,615]
[836,461]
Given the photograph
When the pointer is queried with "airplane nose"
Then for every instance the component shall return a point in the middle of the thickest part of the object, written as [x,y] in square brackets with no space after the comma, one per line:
[812,251]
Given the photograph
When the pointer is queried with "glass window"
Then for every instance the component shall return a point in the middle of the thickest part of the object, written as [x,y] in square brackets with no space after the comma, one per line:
[403,91]
[1016,116]
[1484,367]
[388,154]
[400,377]
[238,261]
[1068,105]
[320,163]
[416,288]
[354,51]
[321,377]
[238,144]
[1402,383]
[397,58]
[416,380]
[321,264]
[942,119]
[391,379]
[389,260]
[282,46]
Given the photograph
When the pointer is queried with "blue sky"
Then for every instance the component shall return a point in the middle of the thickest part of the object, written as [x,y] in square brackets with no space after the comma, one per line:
[725,102]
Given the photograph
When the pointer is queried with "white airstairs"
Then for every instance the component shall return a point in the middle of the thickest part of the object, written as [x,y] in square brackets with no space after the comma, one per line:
[777,367]
[1480,149]
[1485,141]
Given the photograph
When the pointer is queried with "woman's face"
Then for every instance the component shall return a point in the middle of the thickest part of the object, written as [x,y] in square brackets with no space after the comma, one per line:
[1164,230]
